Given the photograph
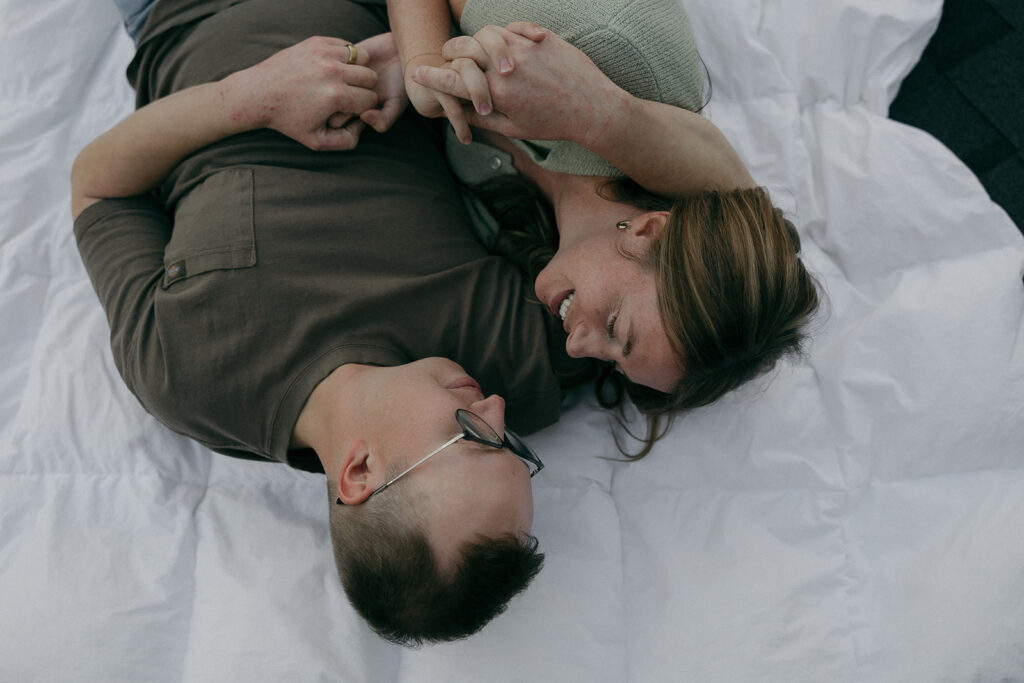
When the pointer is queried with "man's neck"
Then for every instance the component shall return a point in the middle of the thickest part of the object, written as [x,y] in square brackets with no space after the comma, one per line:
[327,412]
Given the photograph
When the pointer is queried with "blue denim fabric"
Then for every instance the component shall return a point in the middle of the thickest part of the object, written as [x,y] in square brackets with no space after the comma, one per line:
[134,13]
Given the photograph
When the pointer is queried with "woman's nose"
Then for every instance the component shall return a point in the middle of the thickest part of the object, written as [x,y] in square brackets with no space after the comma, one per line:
[492,410]
[578,345]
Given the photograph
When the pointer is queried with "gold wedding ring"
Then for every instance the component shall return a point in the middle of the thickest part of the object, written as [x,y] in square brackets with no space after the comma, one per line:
[352,54]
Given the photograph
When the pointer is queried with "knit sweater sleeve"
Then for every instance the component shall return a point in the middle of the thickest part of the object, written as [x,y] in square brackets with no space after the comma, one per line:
[646,47]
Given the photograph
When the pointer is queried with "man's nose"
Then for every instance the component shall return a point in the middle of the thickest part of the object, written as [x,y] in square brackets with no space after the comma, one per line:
[492,410]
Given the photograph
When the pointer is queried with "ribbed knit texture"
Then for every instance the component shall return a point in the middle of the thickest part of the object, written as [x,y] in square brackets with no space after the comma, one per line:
[646,47]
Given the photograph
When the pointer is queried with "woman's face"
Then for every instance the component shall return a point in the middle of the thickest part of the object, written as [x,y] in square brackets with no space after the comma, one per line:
[608,304]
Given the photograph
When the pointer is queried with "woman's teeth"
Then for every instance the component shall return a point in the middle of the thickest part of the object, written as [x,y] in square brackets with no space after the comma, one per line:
[564,308]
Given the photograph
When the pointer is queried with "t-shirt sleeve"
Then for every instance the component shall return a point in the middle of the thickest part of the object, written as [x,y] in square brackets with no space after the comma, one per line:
[122,243]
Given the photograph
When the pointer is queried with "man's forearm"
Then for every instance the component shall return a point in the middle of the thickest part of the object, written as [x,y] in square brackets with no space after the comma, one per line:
[137,154]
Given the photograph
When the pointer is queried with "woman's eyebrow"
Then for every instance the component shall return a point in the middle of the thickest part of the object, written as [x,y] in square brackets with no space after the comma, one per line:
[631,340]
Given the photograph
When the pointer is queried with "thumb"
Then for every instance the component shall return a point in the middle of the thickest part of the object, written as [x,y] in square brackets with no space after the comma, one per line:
[382,119]
[344,138]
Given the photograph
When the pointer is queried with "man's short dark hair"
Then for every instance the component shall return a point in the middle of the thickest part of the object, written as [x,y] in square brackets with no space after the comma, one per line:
[394,581]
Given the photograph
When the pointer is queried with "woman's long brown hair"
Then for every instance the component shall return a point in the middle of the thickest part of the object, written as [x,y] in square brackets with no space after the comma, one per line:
[733,293]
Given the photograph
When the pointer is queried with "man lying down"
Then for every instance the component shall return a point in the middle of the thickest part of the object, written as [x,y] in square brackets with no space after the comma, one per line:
[275,302]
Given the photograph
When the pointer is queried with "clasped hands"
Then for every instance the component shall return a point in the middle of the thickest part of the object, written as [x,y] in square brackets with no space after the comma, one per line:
[521,81]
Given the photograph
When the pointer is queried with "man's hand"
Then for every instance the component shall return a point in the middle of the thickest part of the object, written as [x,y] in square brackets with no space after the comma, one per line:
[540,86]
[299,89]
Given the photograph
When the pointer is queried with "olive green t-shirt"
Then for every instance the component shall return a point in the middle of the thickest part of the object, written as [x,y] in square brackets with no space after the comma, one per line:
[261,266]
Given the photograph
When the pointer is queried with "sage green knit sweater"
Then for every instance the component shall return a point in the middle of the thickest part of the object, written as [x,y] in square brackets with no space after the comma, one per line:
[646,47]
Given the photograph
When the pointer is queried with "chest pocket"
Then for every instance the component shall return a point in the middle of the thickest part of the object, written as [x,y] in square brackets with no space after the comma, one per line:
[213,227]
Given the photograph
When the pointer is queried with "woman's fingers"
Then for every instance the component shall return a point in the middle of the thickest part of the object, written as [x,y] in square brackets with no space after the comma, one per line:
[466,47]
[495,122]
[382,119]
[444,81]
[475,83]
[491,47]
[528,29]
[360,76]
[487,47]
[457,117]
[353,100]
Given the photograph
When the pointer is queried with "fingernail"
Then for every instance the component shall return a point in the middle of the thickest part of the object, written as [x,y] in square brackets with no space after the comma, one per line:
[504,66]
[485,108]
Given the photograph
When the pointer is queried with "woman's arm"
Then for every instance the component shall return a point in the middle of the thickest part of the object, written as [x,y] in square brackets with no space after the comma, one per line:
[299,92]
[666,149]
[557,93]
[421,29]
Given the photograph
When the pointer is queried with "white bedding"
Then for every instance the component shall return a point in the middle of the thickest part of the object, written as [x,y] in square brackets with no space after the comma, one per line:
[856,516]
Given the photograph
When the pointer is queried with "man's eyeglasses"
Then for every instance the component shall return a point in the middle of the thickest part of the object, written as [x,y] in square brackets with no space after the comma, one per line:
[476,429]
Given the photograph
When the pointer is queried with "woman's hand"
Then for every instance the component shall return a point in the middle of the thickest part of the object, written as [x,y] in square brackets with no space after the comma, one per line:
[383,58]
[465,60]
[540,87]
[311,93]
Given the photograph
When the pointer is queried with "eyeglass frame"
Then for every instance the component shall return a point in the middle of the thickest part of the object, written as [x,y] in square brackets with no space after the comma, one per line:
[514,444]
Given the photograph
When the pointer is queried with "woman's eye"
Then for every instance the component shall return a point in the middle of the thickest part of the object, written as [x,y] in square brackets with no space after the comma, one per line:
[611,326]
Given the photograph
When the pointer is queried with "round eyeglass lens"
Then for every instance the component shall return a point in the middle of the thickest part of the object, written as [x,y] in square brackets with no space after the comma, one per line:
[477,428]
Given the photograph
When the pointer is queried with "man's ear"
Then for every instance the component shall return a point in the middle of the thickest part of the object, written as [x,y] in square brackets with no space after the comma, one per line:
[357,476]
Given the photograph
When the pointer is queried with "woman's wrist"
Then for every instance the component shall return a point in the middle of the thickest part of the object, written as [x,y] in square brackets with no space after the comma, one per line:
[425,58]
[615,110]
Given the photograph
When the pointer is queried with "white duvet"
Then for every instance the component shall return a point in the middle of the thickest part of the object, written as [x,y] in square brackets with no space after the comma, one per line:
[856,516]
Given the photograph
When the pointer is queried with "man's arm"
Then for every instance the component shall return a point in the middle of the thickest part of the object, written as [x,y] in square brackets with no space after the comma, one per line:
[557,93]
[299,91]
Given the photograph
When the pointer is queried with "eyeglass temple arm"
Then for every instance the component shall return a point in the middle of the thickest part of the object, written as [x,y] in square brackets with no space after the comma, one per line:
[409,469]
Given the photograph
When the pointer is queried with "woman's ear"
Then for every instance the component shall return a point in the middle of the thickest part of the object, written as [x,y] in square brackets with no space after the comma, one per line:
[648,225]
[357,477]
[641,231]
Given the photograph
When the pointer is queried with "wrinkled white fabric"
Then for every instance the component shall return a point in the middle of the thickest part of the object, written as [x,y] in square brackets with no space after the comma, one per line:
[856,516]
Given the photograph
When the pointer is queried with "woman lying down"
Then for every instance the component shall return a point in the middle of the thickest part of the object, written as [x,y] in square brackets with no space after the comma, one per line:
[645,233]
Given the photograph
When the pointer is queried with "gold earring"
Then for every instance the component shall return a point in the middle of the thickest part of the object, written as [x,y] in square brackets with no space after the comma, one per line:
[622,225]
